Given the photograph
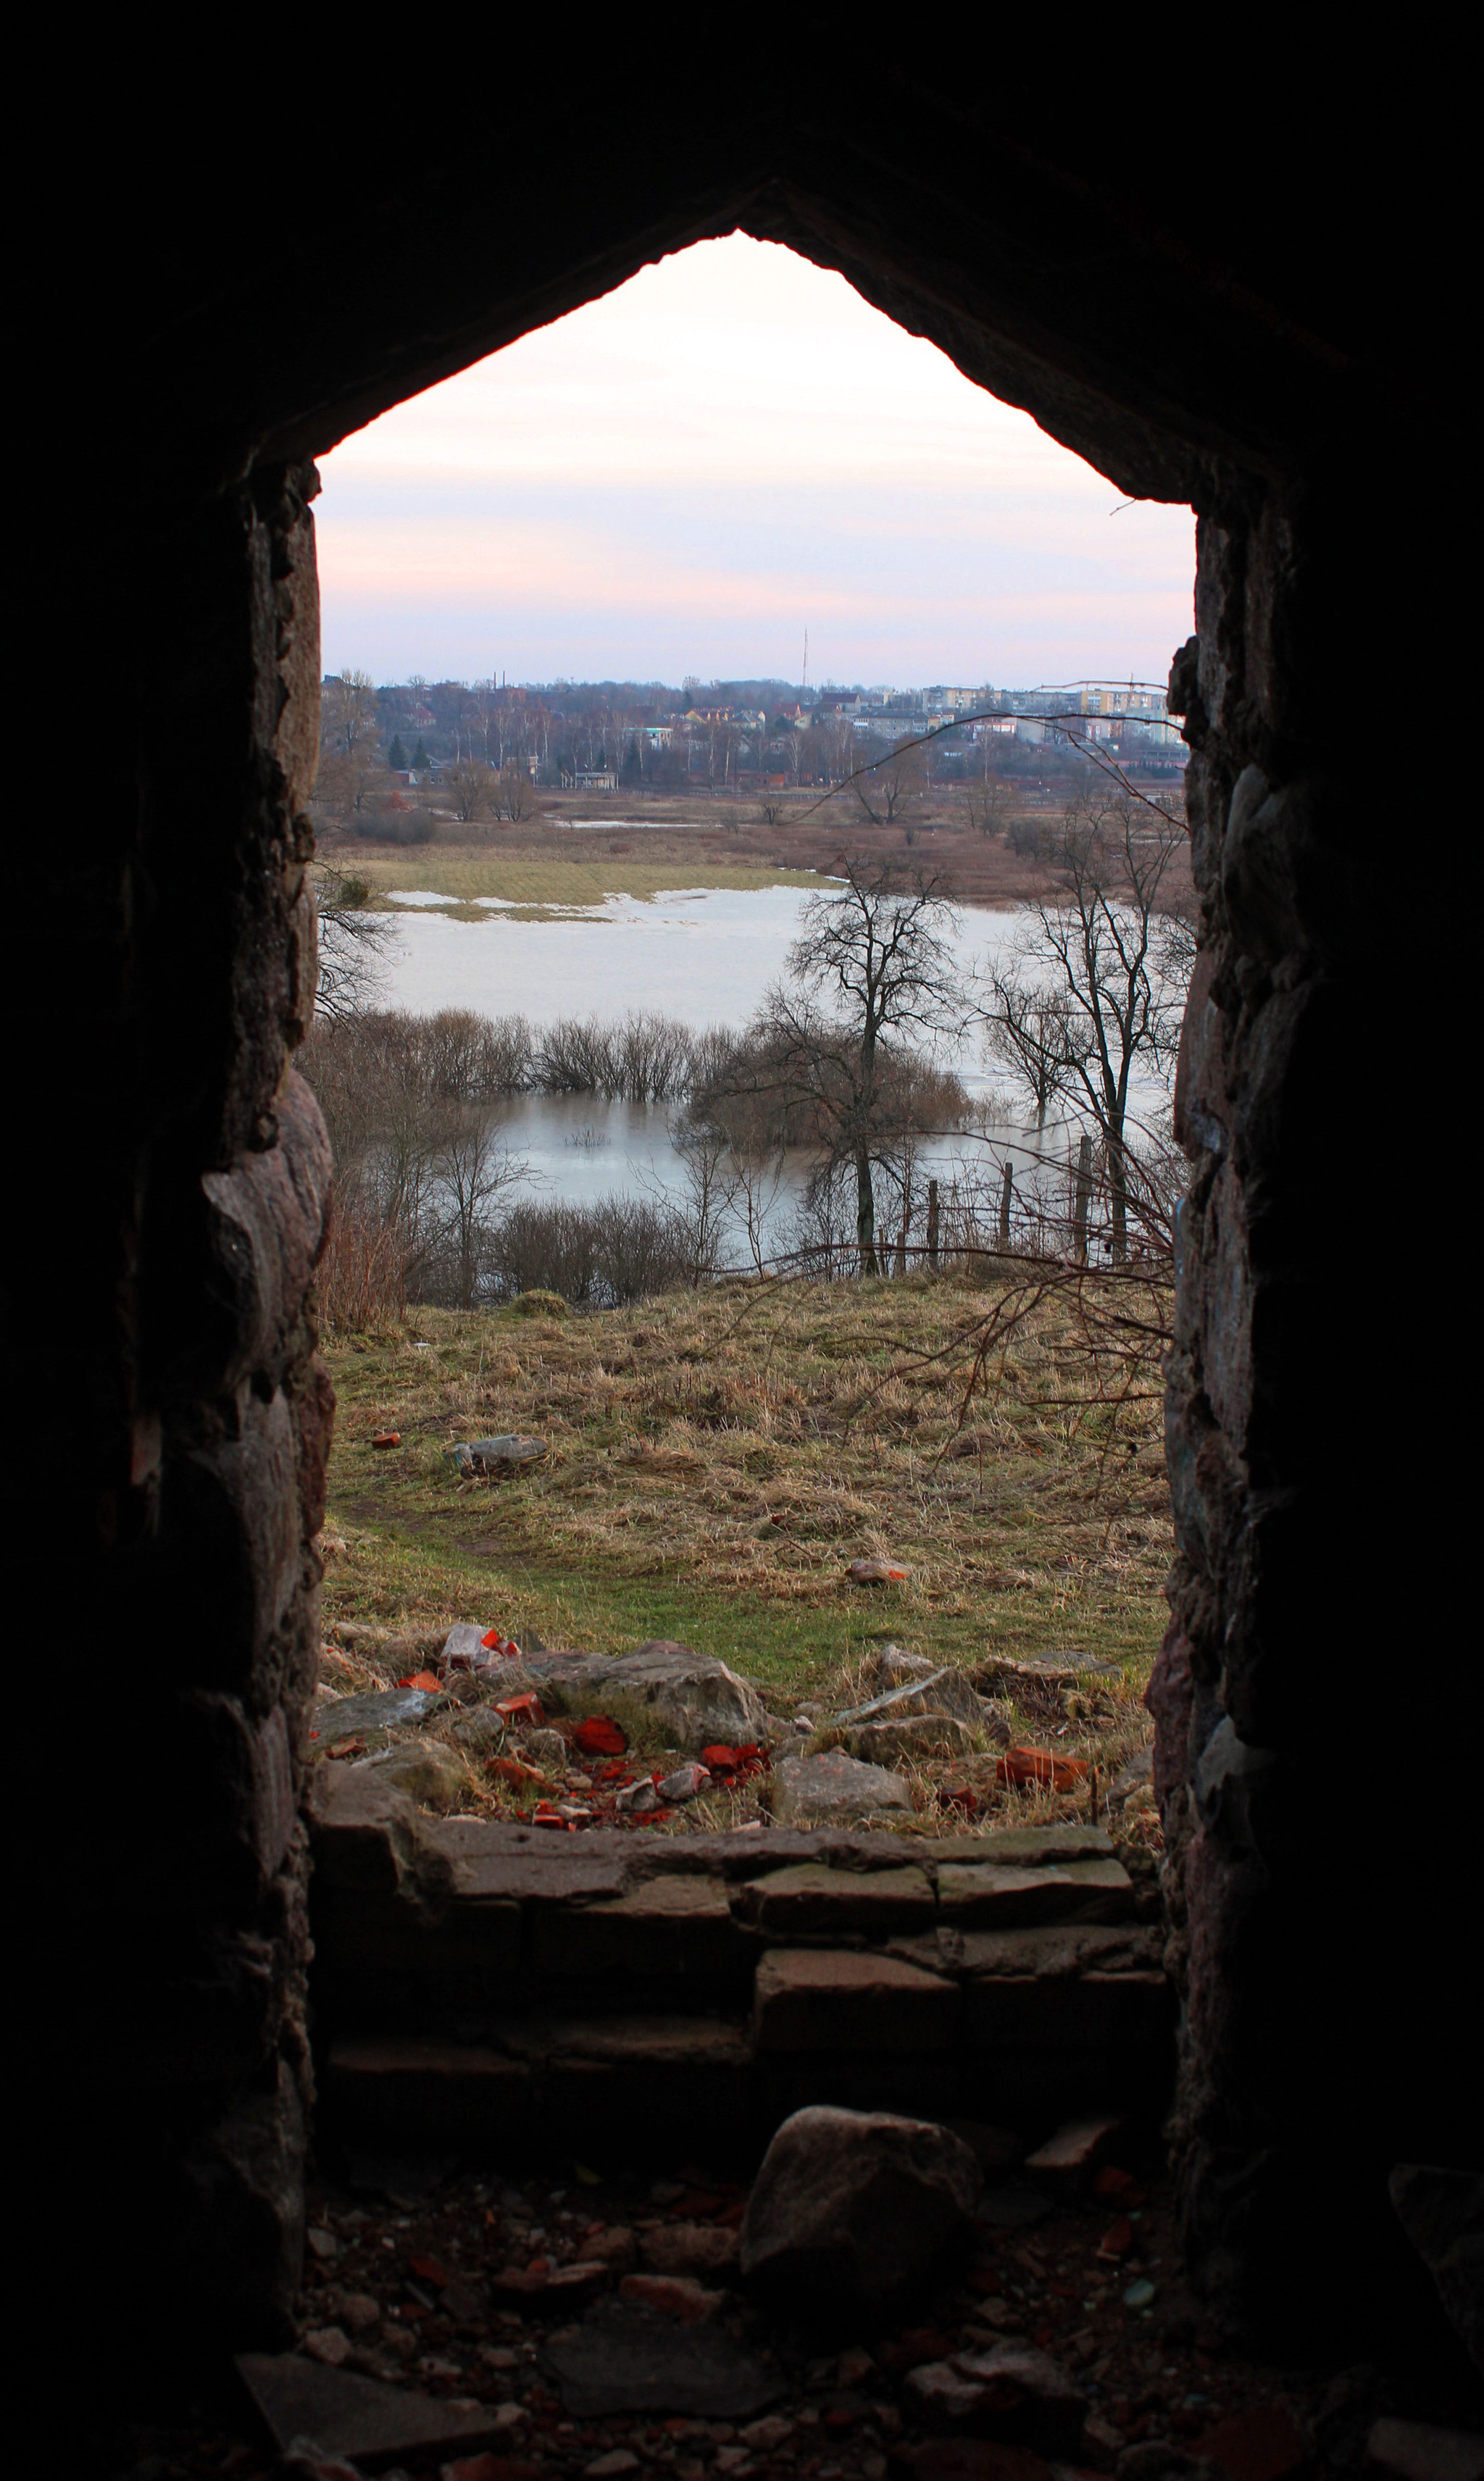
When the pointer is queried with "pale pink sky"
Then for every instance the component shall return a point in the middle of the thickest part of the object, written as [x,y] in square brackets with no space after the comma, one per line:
[731,447]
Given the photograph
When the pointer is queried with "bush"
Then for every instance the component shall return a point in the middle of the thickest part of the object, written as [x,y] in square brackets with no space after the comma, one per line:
[596,1257]
[397,827]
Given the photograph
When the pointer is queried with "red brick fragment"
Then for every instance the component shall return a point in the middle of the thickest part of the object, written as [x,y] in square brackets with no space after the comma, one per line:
[599,1737]
[1040,1767]
[426,2269]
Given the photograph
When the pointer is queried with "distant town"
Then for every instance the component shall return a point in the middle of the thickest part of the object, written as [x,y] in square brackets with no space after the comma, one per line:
[735,736]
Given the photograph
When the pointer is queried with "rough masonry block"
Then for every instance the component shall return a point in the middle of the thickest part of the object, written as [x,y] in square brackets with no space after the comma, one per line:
[822,1998]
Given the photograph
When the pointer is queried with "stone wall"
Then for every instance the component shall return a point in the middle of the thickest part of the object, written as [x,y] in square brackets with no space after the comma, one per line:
[514,1993]
[1319,2037]
[1282,347]
[181,2039]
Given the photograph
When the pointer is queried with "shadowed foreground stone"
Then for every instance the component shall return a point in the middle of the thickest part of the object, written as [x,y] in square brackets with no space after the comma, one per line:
[833,1791]
[351,2415]
[1442,2212]
[853,2211]
[626,2357]
[1012,2393]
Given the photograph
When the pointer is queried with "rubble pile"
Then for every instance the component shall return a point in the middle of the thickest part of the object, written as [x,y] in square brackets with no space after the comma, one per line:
[603,2324]
[558,1734]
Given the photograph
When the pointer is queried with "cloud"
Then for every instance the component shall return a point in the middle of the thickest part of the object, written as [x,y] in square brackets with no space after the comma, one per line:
[731,447]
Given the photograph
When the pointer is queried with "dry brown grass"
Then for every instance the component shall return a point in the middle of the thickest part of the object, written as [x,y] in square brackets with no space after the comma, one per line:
[716,1460]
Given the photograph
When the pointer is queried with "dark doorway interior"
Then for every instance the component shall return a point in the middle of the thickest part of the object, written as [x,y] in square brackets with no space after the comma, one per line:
[1244,309]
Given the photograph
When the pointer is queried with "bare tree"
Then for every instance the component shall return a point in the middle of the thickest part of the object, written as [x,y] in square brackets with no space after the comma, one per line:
[710,1190]
[513,796]
[473,1168]
[886,790]
[1028,1031]
[472,785]
[872,963]
[354,945]
[348,712]
[988,805]
[1102,948]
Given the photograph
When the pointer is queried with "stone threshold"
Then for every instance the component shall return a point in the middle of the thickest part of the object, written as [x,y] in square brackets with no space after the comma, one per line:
[499,1988]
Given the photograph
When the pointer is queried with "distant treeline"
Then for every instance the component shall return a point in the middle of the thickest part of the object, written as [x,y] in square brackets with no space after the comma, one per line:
[431,1204]
[458,1057]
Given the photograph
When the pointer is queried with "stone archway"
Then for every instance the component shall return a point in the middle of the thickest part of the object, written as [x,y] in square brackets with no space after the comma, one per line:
[1264,397]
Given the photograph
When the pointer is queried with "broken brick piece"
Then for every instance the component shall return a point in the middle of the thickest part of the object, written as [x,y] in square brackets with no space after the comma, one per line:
[1040,1767]
[599,1737]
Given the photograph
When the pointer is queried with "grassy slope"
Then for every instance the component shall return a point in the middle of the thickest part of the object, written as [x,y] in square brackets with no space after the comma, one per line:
[715,1462]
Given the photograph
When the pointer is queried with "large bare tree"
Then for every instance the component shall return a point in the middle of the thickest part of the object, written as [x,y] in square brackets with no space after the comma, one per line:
[872,968]
[1098,985]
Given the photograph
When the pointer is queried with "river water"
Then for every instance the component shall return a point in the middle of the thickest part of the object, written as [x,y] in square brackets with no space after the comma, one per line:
[706,955]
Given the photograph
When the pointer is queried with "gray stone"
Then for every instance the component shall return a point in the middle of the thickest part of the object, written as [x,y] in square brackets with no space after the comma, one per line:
[833,1789]
[1012,2393]
[488,1456]
[626,2357]
[944,1691]
[377,1709]
[1133,1779]
[1035,1847]
[482,1730]
[812,1901]
[995,1896]
[891,1664]
[465,1646]
[913,1737]
[690,1698]
[853,2212]
[351,2415]
[429,1772]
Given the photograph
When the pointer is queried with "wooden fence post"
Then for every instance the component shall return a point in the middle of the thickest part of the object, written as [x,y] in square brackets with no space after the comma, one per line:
[1083,1199]
[1004,1208]
[932,1223]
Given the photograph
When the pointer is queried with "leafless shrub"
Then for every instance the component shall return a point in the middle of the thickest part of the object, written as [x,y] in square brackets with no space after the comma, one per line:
[363,1274]
[598,1257]
[644,1057]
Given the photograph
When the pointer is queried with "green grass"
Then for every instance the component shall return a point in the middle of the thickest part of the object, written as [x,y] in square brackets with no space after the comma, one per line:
[716,1460]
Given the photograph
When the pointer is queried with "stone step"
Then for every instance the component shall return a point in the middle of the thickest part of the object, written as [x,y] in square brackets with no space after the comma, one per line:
[868,2030]
[420,1921]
